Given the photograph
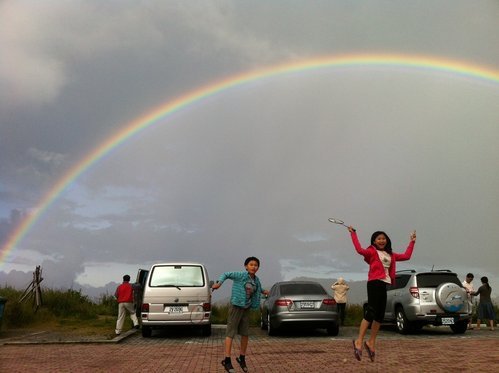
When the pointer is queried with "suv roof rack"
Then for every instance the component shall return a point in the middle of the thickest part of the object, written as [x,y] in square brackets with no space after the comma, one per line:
[407,270]
[441,270]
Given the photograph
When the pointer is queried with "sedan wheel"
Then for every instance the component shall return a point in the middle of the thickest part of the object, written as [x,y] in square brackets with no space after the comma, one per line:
[270,329]
[333,329]
[263,323]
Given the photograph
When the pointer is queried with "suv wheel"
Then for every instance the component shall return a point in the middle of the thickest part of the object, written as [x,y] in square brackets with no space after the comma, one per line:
[460,327]
[403,325]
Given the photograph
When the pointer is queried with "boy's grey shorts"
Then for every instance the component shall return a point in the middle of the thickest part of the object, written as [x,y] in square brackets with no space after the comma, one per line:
[237,321]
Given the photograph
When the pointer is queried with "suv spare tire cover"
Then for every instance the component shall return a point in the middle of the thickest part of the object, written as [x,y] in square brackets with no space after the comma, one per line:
[450,297]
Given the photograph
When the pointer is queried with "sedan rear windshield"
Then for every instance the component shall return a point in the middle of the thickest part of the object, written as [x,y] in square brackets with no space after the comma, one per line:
[176,275]
[302,289]
[433,280]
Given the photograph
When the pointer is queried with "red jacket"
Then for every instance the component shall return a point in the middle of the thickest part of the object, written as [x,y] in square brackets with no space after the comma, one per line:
[124,293]
[376,269]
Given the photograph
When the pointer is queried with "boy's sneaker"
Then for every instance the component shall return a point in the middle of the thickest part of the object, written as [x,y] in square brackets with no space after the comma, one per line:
[242,363]
[228,366]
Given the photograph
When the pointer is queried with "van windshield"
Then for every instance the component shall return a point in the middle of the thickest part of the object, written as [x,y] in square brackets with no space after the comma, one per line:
[177,275]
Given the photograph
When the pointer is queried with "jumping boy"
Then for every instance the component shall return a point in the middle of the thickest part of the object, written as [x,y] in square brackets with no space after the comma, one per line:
[246,291]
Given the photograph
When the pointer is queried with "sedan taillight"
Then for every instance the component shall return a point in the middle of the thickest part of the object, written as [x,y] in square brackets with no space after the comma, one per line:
[283,302]
[329,302]
[414,292]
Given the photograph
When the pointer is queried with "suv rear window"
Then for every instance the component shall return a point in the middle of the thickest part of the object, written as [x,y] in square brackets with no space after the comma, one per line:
[177,275]
[400,282]
[433,280]
[301,289]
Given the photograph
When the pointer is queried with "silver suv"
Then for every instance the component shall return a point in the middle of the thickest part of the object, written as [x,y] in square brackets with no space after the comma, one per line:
[427,298]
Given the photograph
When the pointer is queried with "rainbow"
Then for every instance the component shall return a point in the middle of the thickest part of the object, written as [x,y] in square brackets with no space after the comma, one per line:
[427,63]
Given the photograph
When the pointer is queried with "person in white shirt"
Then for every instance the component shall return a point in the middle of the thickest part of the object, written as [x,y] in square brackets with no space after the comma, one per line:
[468,285]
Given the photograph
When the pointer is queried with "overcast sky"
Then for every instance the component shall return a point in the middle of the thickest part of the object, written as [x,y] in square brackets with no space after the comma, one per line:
[255,170]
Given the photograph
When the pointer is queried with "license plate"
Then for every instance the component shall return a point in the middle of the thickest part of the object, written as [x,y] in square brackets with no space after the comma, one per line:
[307,305]
[447,321]
[175,309]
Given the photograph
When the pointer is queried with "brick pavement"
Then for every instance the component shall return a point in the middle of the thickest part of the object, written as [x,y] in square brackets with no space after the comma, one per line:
[478,352]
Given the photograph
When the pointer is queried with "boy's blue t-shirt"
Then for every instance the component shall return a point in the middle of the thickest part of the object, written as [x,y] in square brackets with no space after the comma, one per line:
[246,291]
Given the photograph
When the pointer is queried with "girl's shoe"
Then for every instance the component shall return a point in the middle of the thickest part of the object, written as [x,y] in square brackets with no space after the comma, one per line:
[370,352]
[357,352]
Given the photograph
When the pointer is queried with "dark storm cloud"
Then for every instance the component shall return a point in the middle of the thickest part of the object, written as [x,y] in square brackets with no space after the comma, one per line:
[257,170]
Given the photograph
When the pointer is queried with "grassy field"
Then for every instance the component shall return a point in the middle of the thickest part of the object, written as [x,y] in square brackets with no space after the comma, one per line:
[63,311]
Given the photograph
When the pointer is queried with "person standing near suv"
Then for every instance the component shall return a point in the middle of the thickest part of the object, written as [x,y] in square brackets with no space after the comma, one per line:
[485,307]
[468,285]
[381,260]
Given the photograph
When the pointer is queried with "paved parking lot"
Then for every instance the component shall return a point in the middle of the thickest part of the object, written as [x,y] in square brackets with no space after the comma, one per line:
[435,349]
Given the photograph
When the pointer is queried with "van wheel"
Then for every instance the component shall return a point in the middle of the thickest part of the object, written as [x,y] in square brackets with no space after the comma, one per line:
[403,325]
[146,332]
[206,330]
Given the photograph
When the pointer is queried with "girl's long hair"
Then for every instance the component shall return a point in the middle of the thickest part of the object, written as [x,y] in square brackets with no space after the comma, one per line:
[485,281]
[388,247]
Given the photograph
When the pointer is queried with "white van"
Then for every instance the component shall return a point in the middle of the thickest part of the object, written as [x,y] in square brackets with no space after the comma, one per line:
[176,294]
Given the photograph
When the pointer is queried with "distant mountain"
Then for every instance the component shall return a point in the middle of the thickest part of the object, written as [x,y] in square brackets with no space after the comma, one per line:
[21,280]
[95,293]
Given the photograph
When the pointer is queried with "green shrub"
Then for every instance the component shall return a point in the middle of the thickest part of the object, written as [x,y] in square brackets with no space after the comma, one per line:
[16,314]
[354,313]
[69,303]
[56,305]
[219,315]
[107,305]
